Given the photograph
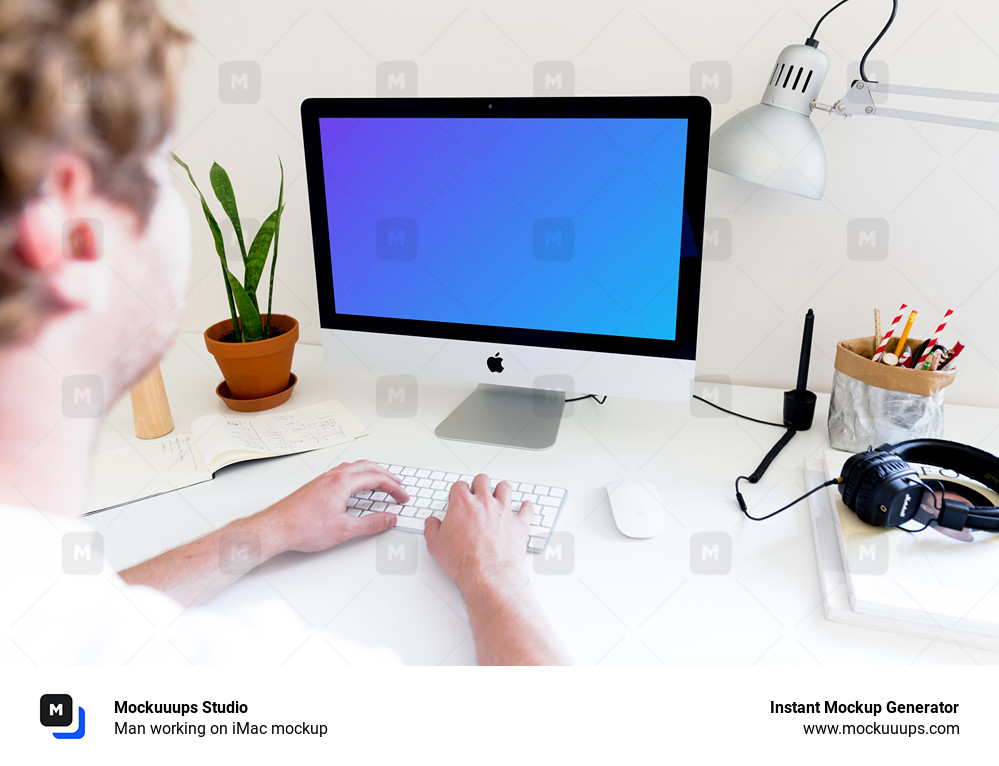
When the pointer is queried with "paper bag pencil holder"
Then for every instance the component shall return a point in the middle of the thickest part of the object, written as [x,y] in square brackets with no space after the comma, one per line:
[874,404]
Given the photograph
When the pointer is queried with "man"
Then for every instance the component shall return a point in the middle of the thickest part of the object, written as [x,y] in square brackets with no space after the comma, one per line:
[94,261]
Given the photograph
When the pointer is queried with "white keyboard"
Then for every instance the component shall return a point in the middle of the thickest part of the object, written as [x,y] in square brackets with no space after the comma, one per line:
[428,496]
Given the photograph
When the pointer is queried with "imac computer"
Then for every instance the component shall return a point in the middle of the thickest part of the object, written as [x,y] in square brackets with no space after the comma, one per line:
[536,246]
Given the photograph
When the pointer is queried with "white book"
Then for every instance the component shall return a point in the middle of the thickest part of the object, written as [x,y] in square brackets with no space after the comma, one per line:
[924,583]
[176,461]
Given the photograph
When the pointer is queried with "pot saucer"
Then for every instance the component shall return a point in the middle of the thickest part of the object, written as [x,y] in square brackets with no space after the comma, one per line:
[255,405]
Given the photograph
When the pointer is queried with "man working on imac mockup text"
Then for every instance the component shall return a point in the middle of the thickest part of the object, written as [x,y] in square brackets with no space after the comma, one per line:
[94,262]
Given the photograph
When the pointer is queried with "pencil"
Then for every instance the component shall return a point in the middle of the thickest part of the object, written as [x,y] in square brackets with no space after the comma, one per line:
[905,334]
[877,328]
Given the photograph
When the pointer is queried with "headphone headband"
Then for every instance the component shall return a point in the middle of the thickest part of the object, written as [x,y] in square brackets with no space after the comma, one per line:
[970,461]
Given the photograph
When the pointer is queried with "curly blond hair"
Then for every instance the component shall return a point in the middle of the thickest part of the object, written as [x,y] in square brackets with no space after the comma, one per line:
[98,78]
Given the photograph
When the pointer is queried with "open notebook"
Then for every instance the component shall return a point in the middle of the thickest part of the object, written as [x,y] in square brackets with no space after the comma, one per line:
[175,461]
[936,585]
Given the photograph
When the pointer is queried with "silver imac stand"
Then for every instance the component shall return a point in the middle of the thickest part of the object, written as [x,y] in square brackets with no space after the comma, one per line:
[526,418]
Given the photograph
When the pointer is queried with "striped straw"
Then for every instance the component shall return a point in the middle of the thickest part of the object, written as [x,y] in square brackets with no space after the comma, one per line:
[903,361]
[877,327]
[891,329]
[936,337]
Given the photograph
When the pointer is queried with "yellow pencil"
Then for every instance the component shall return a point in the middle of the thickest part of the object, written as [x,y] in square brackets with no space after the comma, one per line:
[905,334]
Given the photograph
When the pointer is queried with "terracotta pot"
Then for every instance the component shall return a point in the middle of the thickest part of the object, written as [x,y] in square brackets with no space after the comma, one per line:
[260,368]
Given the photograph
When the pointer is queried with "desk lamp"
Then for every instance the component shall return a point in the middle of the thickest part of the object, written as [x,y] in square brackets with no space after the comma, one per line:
[775,143]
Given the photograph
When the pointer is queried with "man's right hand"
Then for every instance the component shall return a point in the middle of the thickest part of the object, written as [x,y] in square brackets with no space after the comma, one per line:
[481,542]
[481,545]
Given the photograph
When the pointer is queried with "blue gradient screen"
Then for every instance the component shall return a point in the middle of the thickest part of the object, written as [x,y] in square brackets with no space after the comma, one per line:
[567,224]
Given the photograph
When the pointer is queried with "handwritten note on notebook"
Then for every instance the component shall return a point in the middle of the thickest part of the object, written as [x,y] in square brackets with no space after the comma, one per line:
[181,460]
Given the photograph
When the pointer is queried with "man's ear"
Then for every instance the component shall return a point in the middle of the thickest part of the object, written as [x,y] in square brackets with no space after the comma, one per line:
[43,239]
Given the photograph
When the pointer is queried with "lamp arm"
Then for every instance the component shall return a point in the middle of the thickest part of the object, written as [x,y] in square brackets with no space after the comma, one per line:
[859,100]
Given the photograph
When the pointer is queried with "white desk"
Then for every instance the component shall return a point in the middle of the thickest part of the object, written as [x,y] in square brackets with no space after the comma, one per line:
[624,601]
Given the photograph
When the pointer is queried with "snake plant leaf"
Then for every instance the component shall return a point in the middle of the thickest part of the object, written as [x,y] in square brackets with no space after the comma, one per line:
[259,248]
[216,235]
[248,313]
[277,232]
[223,191]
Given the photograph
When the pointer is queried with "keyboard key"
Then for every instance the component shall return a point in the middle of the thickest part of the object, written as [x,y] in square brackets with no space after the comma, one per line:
[424,483]
[423,473]
[392,508]
[378,506]
[438,505]
[355,512]
[423,513]
[396,469]
[536,531]
[556,492]
[409,523]
[526,488]
[409,471]
[439,485]
[536,544]
[425,492]
[363,504]
[436,475]
[422,502]
[440,495]
[549,501]
[451,478]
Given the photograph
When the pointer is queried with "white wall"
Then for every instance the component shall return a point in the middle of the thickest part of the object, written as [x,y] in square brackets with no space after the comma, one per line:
[934,189]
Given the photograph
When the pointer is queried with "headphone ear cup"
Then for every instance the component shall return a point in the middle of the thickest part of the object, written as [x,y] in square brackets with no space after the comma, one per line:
[854,468]
[884,469]
[862,478]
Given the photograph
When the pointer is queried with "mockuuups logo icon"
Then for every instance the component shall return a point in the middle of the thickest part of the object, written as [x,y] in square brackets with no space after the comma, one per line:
[56,711]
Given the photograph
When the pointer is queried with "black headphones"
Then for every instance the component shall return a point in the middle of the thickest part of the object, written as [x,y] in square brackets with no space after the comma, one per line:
[884,490]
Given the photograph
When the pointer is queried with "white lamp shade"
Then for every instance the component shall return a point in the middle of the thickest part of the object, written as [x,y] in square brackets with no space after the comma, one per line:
[771,146]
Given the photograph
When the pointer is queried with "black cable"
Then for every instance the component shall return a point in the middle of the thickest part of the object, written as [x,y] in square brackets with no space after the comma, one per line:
[761,469]
[730,412]
[863,61]
[587,396]
[742,501]
[812,36]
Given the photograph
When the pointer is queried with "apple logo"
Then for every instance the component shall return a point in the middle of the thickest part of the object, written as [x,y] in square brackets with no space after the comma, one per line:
[495,363]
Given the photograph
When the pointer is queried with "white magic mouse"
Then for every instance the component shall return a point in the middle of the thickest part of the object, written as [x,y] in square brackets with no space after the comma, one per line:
[637,509]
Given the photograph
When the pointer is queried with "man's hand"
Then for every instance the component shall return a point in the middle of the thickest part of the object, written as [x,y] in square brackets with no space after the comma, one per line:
[481,545]
[314,517]
[480,538]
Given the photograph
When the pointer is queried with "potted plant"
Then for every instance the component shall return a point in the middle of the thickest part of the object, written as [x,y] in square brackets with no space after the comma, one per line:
[252,349]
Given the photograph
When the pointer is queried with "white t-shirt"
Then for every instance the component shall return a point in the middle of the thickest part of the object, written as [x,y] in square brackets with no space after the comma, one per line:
[62,603]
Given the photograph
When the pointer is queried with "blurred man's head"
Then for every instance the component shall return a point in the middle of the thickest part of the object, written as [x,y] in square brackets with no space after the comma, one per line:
[88,91]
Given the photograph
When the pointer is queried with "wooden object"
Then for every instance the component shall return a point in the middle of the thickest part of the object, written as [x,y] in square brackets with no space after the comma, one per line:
[150,408]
